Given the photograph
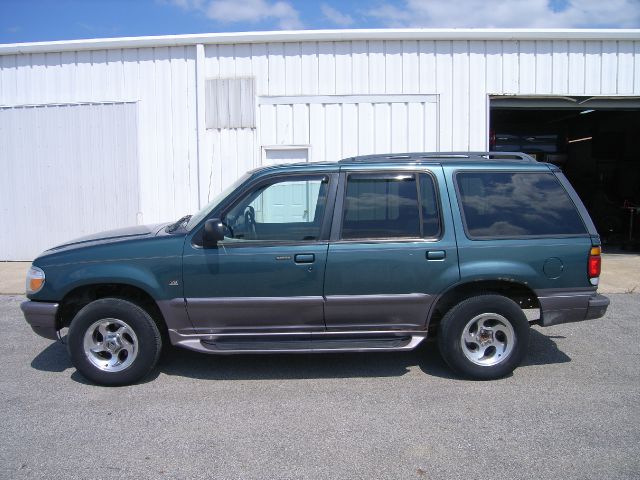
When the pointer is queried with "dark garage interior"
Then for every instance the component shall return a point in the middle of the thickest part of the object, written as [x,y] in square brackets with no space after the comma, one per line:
[594,141]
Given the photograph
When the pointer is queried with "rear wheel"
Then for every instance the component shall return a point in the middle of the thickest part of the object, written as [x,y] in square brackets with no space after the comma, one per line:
[114,342]
[484,337]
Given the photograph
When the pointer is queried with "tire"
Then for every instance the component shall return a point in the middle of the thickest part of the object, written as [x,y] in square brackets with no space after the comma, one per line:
[114,342]
[484,337]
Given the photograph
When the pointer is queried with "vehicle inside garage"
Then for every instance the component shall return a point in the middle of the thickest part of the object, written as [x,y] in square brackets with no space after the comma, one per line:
[593,140]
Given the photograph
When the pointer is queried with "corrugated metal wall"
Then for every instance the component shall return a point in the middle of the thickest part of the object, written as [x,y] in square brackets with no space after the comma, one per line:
[338,126]
[458,74]
[461,73]
[161,80]
[67,171]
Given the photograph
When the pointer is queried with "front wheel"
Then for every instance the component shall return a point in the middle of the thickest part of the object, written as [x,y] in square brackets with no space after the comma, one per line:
[484,337]
[113,342]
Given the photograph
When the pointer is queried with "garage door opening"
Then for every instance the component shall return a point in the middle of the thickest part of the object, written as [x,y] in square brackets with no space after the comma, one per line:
[594,141]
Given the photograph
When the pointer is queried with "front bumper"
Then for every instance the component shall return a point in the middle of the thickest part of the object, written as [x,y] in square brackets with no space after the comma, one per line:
[565,306]
[42,318]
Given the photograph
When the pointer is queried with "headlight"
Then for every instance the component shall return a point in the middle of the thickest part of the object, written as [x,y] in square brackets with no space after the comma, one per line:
[35,280]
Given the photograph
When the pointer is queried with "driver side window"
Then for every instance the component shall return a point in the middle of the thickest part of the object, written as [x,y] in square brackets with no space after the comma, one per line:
[287,209]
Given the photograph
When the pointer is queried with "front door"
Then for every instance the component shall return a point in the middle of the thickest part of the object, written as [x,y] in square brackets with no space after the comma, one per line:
[392,250]
[267,274]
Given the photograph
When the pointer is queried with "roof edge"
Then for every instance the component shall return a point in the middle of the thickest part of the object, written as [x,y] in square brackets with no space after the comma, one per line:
[322,35]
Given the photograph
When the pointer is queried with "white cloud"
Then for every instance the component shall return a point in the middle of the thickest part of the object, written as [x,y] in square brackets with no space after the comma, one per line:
[186,4]
[335,16]
[509,14]
[249,11]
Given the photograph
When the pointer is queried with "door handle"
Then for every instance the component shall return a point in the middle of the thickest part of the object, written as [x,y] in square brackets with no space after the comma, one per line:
[304,258]
[436,255]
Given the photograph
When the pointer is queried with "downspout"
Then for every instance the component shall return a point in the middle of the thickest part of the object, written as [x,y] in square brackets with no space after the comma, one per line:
[200,117]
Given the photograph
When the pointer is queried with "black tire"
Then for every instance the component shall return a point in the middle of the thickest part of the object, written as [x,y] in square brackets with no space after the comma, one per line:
[133,335]
[499,348]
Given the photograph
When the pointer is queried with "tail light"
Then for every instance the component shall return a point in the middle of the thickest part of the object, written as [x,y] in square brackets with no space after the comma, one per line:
[594,265]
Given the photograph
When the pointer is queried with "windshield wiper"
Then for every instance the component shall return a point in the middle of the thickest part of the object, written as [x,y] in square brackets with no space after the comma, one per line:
[174,226]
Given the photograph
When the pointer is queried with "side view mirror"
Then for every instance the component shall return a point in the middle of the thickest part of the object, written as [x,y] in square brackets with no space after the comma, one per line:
[213,231]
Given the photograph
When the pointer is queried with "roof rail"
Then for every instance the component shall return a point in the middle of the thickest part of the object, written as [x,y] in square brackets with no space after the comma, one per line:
[491,155]
[442,156]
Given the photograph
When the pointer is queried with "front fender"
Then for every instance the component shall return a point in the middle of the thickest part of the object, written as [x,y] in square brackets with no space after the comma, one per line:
[121,273]
[153,264]
[160,278]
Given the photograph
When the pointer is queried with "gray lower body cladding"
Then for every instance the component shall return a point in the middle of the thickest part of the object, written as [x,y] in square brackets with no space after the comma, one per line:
[304,313]
[570,305]
[42,317]
[556,306]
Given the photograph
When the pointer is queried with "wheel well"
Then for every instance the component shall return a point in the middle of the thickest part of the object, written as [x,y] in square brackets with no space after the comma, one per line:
[518,292]
[73,302]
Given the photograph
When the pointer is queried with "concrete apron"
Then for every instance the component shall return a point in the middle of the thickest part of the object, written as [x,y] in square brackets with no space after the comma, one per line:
[620,274]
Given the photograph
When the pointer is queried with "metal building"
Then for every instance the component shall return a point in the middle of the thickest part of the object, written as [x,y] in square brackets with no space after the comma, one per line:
[98,134]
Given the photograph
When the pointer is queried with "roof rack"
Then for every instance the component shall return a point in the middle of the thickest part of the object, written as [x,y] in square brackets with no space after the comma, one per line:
[442,156]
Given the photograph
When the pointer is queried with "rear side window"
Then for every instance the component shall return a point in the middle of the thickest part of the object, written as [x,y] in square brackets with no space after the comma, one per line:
[391,205]
[512,204]
[381,206]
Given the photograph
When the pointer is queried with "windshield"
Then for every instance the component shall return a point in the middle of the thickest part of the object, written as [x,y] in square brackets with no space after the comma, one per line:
[197,218]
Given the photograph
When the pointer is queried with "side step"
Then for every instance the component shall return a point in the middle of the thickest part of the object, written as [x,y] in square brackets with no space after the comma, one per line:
[300,343]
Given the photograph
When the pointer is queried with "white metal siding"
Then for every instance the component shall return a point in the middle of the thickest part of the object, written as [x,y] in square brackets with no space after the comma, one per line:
[179,159]
[68,171]
[342,126]
[228,153]
[461,73]
[162,80]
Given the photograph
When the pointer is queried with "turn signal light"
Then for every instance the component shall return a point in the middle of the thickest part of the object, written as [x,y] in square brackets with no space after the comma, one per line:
[35,280]
[35,284]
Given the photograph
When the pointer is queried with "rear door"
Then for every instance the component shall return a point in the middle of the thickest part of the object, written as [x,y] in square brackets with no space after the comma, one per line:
[392,249]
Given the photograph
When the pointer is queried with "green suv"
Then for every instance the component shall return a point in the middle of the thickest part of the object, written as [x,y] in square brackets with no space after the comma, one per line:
[371,253]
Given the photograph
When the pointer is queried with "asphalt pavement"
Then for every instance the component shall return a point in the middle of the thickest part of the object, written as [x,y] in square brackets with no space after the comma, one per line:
[572,411]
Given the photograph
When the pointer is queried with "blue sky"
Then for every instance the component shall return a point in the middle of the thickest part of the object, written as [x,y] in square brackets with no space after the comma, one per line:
[41,20]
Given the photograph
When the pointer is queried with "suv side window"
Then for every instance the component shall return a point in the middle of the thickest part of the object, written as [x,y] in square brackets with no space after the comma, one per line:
[430,211]
[389,206]
[516,204]
[287,209]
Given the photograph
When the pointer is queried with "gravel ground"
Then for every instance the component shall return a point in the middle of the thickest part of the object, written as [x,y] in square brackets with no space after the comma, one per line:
[571,411]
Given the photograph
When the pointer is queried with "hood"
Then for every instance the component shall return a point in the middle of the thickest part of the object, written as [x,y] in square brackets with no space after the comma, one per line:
[111,236]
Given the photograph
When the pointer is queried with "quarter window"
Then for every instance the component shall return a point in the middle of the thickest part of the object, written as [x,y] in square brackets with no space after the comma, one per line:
[511,204]
[430,211]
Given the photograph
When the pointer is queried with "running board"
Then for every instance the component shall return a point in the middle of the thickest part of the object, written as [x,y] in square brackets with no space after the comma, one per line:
[323,342]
